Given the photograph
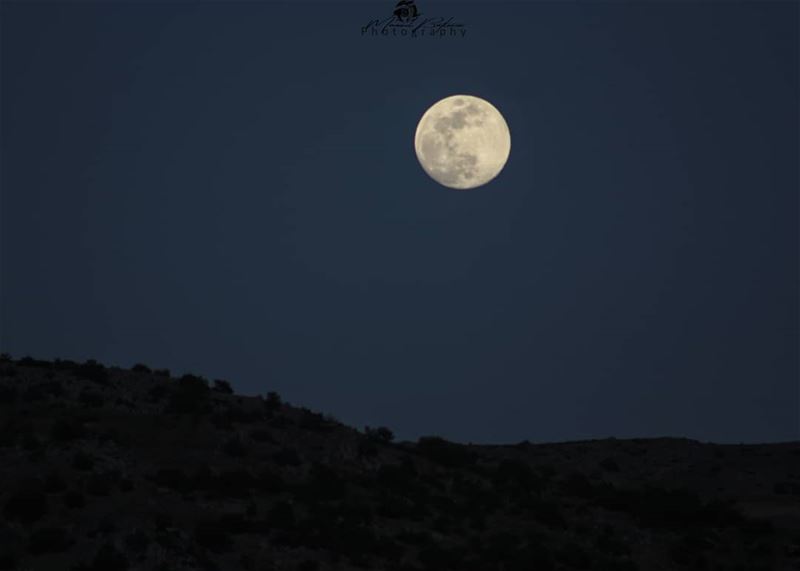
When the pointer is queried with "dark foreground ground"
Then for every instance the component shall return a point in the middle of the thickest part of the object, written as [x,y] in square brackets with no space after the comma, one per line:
[107,469]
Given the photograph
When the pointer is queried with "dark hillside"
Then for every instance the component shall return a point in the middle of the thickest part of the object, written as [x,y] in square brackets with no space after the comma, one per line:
[107,469]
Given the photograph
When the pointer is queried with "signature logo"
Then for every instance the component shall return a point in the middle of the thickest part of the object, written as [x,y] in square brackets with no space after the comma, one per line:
[406,11]
[406,20]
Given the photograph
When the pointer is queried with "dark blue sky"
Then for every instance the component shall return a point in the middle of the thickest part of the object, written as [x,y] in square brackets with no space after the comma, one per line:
[231,189]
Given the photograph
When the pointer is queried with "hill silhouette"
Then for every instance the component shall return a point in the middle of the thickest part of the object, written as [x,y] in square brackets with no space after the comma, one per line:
[105,469]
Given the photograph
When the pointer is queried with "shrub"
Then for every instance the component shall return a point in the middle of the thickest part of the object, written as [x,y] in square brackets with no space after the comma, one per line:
[308,565]
[54,483]
[82,461]
[380,434]
[74,500]
[396,477]
[281,515]
[66,430]
[609,464]
[190,396]
[29,361]
[223,387]
[173,479]
[323,484]
[99,484]
[139,368]
[269,482]
[26,506]
[261,435]
[157,393]
[137,541]
[235,483]
[367,449]
[161,372]
[91,399]
[273,401]
[443,452]
[234,448]
[92,371]
[8,560]
[286,457]
[517,474]
[48,540]
[8,394]
[108,557]
[212,537]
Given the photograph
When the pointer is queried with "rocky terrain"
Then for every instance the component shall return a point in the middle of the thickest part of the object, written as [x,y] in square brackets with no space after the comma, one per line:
[105,469]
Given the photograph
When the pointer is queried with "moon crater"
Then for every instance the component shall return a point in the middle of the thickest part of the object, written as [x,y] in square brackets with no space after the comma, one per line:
[462,141]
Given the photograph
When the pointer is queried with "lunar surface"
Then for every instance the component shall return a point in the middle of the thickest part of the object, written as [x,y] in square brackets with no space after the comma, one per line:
[462,141]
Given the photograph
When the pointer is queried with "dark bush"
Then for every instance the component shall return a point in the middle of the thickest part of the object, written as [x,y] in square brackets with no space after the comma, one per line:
[367,449]
[322,484]
[578,485]
[213,537]
[8,561]
[82,461]
[443,452]
[92,371]
[242,415]
[163,521]
[108,557]
[99,484]
[139,368]
[234,447]
[666,508]
[48,540]
[787,488]
[512,473]
[270,482]
[8,394]
[54,483]
[286,457]
[161,372]
[26,506]
[91,399]
[397,477]
[262,435]
[190,396]
[173,479]
[235,483]
[546,512]
[281,515]
[435,556]
[33,394]
[609,464]
[52,388]
[273,401]
[157,393]
[30,442]
[222,386]
[380,434]
[66,430]
[308,565]
[29,361]
[137,541]
[74,500]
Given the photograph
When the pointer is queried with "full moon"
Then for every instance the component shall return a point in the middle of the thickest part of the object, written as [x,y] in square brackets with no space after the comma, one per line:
[462,141]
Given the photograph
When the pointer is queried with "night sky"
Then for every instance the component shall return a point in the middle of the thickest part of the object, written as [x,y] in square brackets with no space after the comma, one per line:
[231,189]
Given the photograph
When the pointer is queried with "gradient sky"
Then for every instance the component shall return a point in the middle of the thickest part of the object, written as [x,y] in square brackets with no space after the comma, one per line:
[231,189]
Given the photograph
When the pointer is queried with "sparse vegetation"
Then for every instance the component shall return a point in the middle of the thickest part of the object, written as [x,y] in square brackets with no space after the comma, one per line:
[112,470]
[222,386]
